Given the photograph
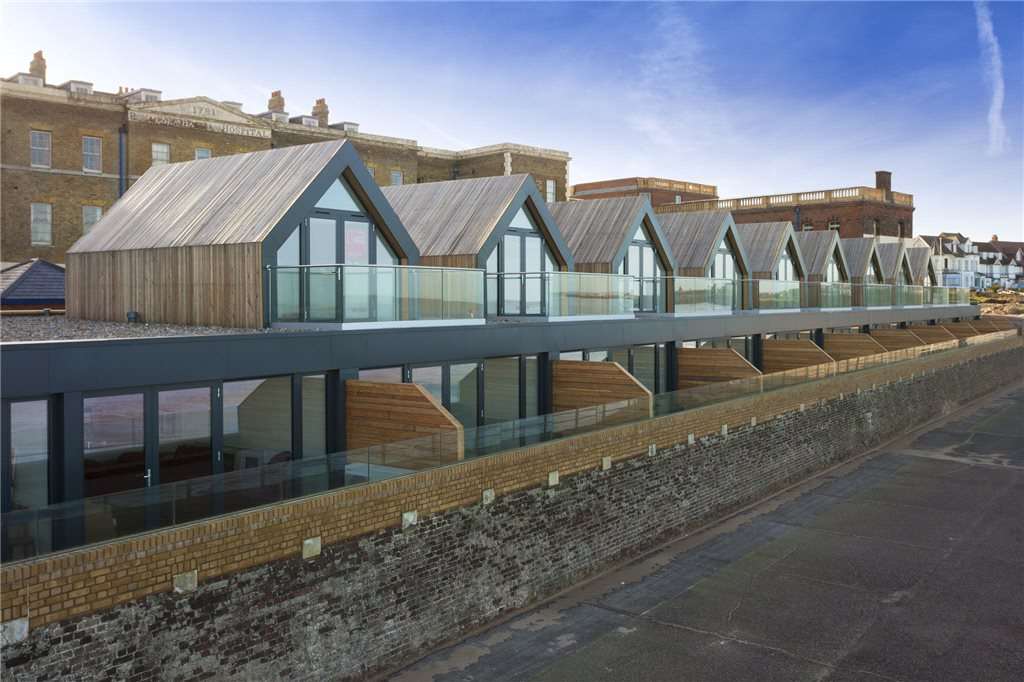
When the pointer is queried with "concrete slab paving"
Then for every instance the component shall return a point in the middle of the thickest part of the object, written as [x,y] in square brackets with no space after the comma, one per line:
[907,565]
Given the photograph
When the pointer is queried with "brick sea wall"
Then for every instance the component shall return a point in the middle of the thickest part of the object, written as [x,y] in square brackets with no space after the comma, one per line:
[375,600]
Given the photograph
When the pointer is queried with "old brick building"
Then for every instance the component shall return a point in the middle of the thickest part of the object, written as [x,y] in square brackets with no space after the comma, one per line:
[69,151]
[659,190]
[853,211]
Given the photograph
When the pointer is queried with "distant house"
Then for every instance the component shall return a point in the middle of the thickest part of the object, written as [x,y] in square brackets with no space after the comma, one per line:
[32,285]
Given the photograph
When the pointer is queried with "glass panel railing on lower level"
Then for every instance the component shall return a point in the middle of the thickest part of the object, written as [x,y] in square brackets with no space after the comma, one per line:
[772,294]
[908,295]
[826,295]
[559,294]
[649,294]
[705,295]
[959,296]
[374,293]
[936,296]
[872,295]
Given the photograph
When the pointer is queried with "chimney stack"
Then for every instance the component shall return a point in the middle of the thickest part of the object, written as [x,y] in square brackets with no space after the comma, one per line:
[276,102]
[321,112]
[883,180]
[38,66]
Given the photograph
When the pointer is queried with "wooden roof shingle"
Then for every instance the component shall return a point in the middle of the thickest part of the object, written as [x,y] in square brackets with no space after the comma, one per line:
[694,237]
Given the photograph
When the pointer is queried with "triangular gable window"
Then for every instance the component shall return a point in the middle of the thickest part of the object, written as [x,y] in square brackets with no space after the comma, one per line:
[723,263]
[787,271]
[522,221]
[339,197]
[641,235]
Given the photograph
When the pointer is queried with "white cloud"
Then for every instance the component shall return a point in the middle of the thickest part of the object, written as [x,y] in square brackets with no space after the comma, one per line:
[994,76]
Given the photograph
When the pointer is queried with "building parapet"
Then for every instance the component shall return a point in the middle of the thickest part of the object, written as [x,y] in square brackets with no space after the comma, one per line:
[825,196]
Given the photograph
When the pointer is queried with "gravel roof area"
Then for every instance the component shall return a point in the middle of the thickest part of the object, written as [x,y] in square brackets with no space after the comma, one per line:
[59,328]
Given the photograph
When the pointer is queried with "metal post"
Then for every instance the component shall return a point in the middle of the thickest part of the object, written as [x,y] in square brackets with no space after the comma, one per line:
[757,351]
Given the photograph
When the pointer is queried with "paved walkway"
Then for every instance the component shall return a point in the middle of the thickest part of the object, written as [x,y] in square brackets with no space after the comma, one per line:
[906,566]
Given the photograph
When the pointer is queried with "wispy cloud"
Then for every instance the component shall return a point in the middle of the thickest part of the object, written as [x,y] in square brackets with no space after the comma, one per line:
[994,76]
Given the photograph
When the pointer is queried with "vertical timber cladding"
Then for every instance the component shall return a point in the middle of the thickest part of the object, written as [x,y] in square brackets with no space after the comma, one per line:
[845,346]
[897,339]
[415,430]
[313,617]
[784,354]
[578,383]
[217,285]
[700,366]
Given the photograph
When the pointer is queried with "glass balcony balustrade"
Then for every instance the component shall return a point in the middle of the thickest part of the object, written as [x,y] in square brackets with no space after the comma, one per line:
[772,294]
[907,295]
[705,295]
[826,295]
[375,294]
[560,294]
[872,295]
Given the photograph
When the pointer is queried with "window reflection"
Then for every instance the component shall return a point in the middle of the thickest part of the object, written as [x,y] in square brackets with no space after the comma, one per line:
[29,455]
[184,434]
[257,422]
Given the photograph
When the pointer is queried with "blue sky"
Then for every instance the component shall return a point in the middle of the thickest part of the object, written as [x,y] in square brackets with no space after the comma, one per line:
[753,97]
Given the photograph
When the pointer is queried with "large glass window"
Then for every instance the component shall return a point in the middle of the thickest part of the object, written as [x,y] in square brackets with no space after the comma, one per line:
[462,393]
[501,390]
[723,264]
[185,449]
[323,281]
[430,378]
[383,375]
[515,279]
[642,262]
[645,366]
[40,146]
[531,387]
[92,154]
[834,273]
[114,451]
[314,415]
[257,422]
[875,274]
[287,279]
[30,455]
[787,266]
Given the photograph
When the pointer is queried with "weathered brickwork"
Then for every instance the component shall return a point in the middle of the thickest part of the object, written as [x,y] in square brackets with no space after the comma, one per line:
[379,594]
[186,125]
[856,219]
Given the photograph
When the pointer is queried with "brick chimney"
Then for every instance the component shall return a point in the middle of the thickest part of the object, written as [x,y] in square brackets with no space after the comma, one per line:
[883,180]
[321,112]
[38,66]
[276,102]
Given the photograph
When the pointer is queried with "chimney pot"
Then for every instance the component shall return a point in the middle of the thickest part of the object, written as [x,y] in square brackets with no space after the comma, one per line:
[321,112]
[38,66]
[883,180]
[276,102]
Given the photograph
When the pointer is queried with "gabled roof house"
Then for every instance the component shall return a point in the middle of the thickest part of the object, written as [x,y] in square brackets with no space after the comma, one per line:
[236,240]
[500,224]
[772,251]
[619,235]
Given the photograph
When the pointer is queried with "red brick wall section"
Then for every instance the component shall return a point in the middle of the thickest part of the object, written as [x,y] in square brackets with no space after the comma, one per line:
[379,594]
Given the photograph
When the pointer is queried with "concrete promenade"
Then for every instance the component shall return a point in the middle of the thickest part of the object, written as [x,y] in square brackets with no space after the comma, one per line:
[904,565]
